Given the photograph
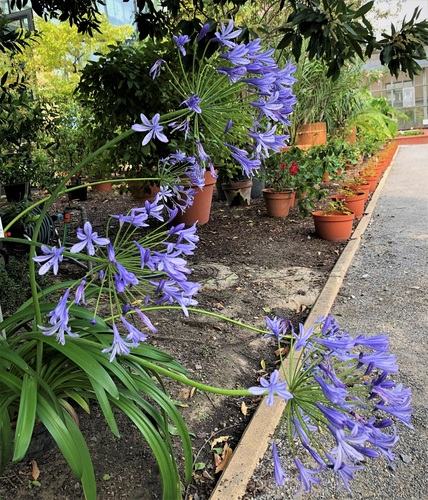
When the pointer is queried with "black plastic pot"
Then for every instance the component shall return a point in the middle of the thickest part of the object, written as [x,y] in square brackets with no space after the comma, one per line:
[16,192]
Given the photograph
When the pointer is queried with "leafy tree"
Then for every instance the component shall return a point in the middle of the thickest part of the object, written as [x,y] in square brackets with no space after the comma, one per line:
[61,52]
[335,30]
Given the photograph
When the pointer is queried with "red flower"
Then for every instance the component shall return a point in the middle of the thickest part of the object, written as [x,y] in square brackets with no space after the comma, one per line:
[283,166]
[294,168]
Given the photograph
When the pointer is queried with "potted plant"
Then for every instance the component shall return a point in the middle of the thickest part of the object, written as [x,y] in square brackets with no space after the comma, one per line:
[334,224]
[15,175]
[358,183]
[281,181]
[353,200]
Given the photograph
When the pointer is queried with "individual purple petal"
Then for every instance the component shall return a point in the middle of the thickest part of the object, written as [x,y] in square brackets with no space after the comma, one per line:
[302,337]
[145,320]
[336,395]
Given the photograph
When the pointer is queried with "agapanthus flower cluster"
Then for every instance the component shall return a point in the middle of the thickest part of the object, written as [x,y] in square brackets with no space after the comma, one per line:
[342,404]
[239,105]
[136,268]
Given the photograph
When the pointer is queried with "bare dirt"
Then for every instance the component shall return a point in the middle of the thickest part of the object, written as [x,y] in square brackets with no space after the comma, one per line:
[249,265]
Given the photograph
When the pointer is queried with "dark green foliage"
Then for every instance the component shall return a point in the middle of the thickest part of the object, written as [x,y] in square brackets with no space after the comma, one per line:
[401,48]
[15,284]
[116,89]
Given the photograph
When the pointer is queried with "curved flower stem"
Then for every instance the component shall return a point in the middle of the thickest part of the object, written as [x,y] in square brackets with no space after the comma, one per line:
[207,313]
[49,201]
[192,383]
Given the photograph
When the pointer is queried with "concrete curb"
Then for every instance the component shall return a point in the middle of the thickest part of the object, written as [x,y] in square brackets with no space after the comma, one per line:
[256,438]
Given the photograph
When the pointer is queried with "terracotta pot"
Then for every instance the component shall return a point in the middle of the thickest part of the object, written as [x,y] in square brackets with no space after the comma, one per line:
[293,199]
[371,181]
[352,135]
[238,193]
[102,187]
[277,202]
[333,226]
[365,188]
[353,203]
[200,210]
[143,192]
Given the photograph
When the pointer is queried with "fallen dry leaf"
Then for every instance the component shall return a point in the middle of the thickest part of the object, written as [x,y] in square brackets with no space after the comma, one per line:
[221,439]
[35,473]
[244,409]
[221,463]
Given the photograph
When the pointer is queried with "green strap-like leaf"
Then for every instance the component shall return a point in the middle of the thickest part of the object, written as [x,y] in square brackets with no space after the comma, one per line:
[26,417]
[168,470]
[85,361]
[62,436]
[5,437]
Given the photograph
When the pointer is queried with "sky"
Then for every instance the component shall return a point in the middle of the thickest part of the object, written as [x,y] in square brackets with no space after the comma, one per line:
[397,10]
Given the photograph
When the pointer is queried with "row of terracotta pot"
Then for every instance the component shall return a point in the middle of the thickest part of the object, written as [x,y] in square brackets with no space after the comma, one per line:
[338,226]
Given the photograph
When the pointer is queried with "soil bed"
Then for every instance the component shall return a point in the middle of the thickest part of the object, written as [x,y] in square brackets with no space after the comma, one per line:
[249,265]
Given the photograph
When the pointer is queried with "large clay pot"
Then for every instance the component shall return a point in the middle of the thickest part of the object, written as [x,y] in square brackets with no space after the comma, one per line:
[238,193]
[333,226]
[354,203]
[143,192]
[102,186]
[200,210]
[277,202]
[312,134]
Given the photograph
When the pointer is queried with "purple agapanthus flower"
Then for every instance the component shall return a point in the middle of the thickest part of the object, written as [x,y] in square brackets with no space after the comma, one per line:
[334,417]
[134,334]
[226,34]
[306,476]
[87,239]
[278,470]
[234,74]
[271,388]
[80,293]
[336,395]
[345,445]
[155,70]
[182,127]
[193,103]
[180,41]
[51,258]
[268,140]
[58,318]
[345,472]
[205,28]
[145,320]
[119,345]
[152,127]
[228,127]
[238,55]
[278,327]
[302,337]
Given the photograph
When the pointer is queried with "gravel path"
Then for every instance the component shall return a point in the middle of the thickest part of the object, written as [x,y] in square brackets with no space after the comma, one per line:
[385,291]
